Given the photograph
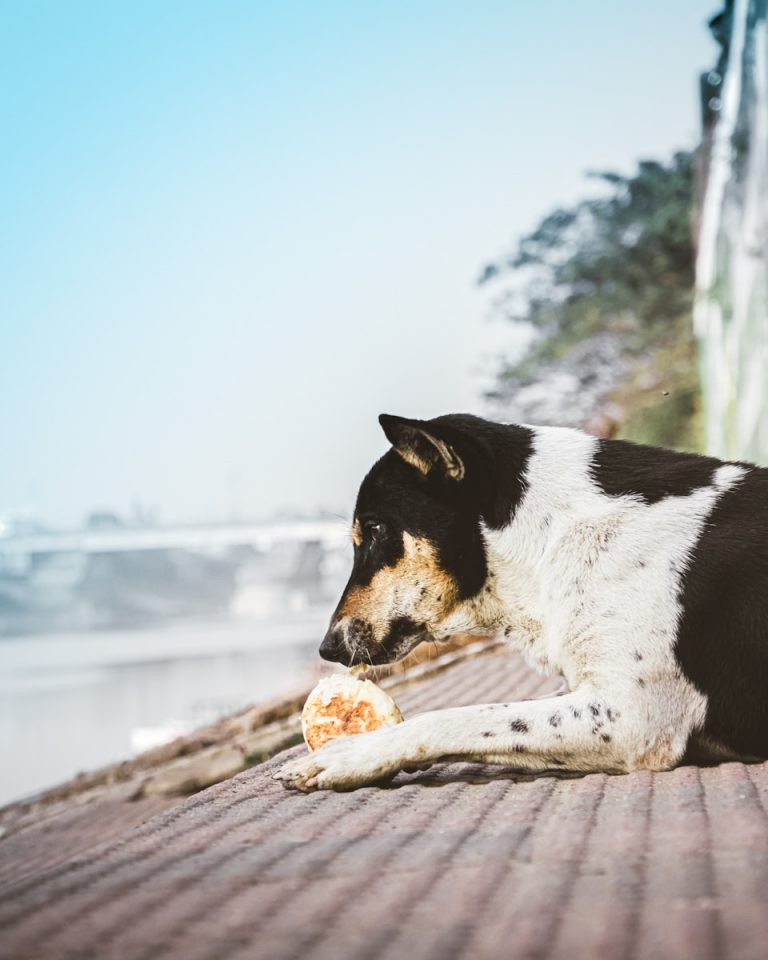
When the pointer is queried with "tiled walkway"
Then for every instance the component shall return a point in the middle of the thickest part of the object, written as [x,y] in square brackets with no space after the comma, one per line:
[461,861]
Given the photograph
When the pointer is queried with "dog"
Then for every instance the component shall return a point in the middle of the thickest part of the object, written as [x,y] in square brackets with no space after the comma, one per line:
[637,573]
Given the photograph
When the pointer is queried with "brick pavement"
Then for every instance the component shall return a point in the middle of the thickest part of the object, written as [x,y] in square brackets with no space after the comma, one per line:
[458,861]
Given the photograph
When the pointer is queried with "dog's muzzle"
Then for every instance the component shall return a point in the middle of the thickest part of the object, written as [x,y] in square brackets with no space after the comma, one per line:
[349,641]
[333,647]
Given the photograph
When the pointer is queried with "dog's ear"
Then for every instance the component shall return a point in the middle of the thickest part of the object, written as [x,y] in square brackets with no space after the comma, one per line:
[424,445]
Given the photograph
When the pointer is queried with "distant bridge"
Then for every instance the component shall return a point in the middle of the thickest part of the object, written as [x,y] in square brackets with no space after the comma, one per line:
[328,533]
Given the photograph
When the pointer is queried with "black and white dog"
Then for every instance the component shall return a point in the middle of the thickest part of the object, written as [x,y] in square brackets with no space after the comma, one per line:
[639,574]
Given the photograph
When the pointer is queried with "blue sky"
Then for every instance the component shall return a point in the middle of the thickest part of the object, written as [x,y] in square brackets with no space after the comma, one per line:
[232,233]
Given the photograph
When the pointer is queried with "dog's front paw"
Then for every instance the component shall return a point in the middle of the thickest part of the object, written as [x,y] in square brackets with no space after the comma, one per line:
[344,764]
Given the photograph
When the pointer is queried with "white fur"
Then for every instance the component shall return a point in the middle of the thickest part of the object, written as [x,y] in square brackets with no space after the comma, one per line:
[586,586]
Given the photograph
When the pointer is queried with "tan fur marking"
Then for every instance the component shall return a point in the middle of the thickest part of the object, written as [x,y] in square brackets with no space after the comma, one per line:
[415,587]
[528,628]
[451,461]
[410,456]
[357,535]
[661,756]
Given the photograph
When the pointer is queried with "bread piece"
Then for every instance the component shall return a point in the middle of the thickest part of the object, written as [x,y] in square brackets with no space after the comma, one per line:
[341,705]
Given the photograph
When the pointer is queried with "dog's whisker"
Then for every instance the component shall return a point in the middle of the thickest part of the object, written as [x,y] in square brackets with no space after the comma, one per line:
[335,515]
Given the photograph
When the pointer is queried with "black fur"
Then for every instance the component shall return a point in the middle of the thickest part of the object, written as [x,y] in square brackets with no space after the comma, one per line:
[497,456]
[722,642]
[396,495]
[446,512]
[651,473]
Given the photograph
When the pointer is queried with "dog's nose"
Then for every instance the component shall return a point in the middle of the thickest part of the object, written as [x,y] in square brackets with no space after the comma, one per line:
[332,647]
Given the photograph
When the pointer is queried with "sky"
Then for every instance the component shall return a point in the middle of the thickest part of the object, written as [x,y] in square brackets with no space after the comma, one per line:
[233,233]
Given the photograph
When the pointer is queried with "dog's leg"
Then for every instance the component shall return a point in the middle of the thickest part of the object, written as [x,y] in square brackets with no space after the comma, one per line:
[581,730]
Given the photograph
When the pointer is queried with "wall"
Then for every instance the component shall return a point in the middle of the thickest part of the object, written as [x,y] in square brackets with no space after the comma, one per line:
[731,308]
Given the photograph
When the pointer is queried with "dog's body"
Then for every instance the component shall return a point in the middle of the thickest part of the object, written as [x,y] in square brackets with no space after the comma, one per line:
[639,574]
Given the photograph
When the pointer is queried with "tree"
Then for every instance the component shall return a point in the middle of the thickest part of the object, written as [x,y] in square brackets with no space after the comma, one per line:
[613,271]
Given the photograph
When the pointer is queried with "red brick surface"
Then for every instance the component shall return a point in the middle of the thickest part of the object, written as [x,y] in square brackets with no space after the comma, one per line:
[459,861]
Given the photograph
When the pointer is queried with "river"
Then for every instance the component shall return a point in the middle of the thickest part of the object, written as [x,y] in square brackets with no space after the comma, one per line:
[72,702]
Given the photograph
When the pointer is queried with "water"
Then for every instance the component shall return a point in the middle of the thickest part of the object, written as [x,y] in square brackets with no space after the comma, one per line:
[70,701]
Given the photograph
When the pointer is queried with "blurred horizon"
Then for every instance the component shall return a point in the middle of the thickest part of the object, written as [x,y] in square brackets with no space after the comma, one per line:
[236,234]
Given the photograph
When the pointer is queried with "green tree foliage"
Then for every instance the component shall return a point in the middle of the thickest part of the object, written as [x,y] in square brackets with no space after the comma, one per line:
[619,264]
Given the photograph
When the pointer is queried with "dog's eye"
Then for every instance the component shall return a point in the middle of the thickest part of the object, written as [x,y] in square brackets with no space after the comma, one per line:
[373,530]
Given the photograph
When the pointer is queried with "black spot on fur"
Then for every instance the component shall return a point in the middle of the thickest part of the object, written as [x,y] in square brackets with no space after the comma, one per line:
[518,725]
[488,733]
[640,682]
[555,761]
[605,737]
[610,714]
[594,709]
[507,631]
[637,655]
[518,748]
[576,713]
[620,468]
[641,564]
[555,720]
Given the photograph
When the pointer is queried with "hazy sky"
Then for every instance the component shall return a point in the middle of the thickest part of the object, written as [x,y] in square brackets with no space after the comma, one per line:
[233,233]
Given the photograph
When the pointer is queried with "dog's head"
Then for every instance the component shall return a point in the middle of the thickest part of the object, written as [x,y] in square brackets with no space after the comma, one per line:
[418,547]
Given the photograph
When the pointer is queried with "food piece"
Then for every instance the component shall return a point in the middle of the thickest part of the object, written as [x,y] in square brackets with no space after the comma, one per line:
[343,704]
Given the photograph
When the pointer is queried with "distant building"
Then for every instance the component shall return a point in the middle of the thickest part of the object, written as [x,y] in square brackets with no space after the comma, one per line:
[103,520]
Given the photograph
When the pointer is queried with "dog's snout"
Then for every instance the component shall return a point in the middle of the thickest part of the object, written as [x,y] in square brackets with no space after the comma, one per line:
[332,648]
